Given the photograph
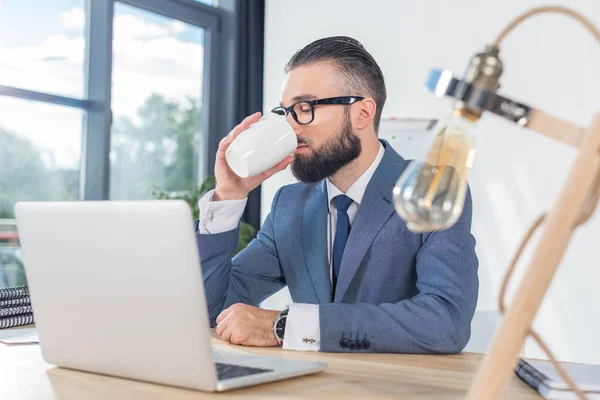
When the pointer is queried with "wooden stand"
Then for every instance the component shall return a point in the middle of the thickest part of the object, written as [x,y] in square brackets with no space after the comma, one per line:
[574,198]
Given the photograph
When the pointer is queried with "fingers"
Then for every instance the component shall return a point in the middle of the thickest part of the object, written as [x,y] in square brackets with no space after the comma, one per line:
[226,336]
[242,126]
[221,327]
[245,124]
[279,167]
[224,314]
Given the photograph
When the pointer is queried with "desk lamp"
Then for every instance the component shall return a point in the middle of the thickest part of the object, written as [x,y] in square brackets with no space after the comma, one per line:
[430,193]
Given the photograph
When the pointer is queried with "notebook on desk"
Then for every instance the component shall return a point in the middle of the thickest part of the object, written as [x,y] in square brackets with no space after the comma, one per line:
[541,376]
[15,292]
[106,276]
[15,307]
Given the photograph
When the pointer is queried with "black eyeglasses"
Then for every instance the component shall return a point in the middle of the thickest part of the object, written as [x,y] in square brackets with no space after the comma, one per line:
[304,110]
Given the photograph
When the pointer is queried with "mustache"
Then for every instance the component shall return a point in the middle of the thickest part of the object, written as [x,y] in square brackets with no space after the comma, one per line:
[303,141]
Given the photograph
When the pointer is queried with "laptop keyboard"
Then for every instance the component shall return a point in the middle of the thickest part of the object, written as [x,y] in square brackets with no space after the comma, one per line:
[228,371]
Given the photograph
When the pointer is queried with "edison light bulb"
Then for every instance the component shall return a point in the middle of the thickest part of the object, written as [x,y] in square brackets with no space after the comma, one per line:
[430,193]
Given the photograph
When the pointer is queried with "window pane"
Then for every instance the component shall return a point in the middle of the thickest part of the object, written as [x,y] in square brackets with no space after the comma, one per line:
[42,45]
[157,83]
[12,271]
[208,2]
[40,157]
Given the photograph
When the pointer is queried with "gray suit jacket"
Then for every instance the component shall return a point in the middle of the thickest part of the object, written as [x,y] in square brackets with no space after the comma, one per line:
[398,291]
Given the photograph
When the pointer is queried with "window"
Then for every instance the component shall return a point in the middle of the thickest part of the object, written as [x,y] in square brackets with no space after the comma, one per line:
[40,152]
[40,159]
[157,83]
[40,143]
[62,101]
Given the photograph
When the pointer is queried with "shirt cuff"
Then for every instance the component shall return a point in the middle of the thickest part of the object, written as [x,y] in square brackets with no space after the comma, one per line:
[219,216]
[302,328]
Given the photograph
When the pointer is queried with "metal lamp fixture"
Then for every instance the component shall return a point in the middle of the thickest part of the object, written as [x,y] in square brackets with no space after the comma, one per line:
[430,193]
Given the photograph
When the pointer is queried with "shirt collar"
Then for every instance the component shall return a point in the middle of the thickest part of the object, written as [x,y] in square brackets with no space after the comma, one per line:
[357,190]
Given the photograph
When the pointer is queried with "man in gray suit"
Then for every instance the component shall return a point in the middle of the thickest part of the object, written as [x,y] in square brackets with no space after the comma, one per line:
[360,281]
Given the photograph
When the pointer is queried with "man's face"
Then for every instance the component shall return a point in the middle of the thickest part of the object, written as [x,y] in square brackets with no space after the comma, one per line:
[328,143]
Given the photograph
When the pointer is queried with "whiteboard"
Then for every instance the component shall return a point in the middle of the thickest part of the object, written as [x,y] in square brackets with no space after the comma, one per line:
[410,137]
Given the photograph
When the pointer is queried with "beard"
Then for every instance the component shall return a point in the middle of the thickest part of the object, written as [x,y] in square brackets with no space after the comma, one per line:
[330,157]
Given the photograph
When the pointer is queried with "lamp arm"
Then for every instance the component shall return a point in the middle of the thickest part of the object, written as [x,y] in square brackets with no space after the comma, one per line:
[588,211]
[539,121]
[547,9]
[443,83]
[477,92]
[556,128]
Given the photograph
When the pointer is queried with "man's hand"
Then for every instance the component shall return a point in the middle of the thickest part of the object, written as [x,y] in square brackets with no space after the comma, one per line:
[247,325]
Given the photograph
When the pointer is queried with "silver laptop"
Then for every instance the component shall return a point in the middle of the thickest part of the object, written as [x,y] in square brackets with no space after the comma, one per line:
[117,289]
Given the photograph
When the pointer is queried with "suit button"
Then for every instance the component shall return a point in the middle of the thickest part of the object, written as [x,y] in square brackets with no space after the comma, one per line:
[344,342]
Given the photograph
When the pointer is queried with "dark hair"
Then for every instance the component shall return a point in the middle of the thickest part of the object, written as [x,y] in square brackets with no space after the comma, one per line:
[360,74]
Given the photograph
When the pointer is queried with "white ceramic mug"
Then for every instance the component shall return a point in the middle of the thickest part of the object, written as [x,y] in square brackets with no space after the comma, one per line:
[262,146]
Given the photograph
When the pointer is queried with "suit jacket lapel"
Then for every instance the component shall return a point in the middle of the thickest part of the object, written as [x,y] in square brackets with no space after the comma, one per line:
[374,211]
[314,242]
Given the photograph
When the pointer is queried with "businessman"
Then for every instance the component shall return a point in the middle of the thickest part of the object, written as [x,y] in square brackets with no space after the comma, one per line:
[360,281]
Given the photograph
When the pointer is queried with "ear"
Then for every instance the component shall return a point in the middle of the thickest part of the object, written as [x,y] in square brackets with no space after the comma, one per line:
[364,113]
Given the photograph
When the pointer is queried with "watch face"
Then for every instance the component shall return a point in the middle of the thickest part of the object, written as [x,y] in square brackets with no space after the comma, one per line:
[280,327]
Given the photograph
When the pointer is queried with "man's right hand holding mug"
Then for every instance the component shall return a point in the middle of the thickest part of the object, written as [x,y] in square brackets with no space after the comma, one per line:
[230,186]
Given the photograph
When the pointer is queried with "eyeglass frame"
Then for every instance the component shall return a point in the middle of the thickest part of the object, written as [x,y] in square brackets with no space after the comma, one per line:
[340,100]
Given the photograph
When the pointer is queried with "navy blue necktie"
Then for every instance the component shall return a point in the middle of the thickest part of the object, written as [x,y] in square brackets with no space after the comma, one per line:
[342,229]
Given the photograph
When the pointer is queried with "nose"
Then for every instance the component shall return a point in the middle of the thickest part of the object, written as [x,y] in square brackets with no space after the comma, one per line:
[295,126]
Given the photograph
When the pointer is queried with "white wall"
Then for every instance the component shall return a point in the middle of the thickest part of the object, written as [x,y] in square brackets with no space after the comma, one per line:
[550,62]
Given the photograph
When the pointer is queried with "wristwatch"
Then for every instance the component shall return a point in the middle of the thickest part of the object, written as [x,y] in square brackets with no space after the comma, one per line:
[279,326]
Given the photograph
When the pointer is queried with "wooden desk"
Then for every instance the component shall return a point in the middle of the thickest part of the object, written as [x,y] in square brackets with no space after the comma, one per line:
[25,375]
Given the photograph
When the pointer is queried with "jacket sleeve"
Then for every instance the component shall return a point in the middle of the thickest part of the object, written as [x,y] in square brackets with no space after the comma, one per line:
[252,276]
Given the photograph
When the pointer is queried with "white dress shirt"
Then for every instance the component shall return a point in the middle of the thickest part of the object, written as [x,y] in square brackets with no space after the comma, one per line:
[303,319]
